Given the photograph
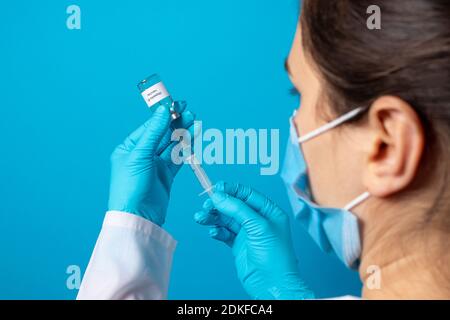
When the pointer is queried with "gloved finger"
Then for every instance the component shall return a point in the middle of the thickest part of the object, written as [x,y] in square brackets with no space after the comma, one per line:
[168,157]
[155,130]
[180,107]
[130,142]
[184,122]
[209,216]
[223,220]
[256,200]
[236,209]
[222,234]
[180,122]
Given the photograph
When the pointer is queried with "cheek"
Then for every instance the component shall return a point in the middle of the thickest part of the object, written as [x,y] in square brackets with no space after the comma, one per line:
[321,163]
[334,170]
[318,154]
[334,164]
[305,119]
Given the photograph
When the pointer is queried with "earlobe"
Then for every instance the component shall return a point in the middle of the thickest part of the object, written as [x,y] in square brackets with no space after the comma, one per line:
[396,148]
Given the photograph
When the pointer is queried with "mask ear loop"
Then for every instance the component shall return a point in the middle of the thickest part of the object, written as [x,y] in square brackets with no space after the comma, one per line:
[331,125]
[357,201]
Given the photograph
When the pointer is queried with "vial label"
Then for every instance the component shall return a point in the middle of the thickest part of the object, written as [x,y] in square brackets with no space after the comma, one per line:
[155,94]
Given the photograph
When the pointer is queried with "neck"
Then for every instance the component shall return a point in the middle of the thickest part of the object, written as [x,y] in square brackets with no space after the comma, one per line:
[396,264]
[404,278]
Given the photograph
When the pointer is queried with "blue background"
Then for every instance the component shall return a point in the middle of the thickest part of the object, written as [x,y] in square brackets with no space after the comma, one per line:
[68,97]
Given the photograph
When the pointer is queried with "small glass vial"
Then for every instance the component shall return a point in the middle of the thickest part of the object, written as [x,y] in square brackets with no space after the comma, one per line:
[155,94]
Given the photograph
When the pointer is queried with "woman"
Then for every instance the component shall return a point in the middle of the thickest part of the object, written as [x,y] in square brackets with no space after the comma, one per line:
[374,102]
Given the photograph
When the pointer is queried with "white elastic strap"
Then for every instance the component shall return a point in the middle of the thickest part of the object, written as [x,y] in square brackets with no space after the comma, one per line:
[357,201]
[331,125]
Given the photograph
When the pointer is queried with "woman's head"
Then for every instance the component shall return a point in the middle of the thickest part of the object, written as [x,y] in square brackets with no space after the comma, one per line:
[399,149]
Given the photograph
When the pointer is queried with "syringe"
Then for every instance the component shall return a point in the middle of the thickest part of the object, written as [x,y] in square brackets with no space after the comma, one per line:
[200,173]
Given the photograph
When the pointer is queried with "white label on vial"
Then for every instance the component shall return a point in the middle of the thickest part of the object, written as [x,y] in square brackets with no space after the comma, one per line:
[155,94]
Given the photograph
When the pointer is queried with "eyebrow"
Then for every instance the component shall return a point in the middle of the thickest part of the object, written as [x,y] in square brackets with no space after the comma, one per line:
[286,66]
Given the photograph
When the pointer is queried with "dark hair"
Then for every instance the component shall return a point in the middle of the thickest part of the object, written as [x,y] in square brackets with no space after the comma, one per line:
[409,57]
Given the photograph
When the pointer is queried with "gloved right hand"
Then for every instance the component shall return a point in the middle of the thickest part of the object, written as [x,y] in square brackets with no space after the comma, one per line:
[142,169]
[259,234]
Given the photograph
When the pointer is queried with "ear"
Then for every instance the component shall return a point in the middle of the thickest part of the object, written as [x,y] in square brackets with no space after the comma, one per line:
[396,148]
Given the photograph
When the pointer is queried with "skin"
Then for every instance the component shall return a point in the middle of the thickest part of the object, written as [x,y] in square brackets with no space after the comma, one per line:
[381,155]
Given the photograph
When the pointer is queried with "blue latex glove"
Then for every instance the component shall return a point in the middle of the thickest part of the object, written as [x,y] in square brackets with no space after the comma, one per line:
[142,171]
[258,232]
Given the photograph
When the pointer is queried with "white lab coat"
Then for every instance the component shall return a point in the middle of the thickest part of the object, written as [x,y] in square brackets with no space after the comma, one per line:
[132,259]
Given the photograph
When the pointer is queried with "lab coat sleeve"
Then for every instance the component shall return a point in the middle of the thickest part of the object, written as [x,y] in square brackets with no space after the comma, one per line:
[132,259]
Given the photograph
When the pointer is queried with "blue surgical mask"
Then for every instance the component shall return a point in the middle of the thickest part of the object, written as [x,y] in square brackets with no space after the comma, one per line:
[333,229]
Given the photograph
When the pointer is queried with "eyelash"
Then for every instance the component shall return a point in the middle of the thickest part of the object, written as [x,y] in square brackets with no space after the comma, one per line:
[294,92]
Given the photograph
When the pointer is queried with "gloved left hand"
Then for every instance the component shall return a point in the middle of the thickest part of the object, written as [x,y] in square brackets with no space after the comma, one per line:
[259,234]
[142,168]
